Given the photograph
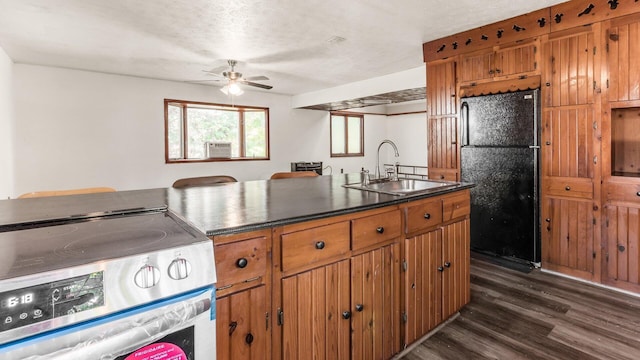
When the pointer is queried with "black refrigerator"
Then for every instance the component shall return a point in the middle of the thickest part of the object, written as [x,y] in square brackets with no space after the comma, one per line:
[500,154]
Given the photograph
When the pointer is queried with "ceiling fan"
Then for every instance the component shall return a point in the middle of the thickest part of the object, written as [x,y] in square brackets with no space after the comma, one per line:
[234,79]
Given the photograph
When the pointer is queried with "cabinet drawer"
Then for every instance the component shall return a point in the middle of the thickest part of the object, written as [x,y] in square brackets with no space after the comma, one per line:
[315,245]
[423,216]
[622,192]
[571,187]
[443,174]
[374,229]
[456,206]
[241,261]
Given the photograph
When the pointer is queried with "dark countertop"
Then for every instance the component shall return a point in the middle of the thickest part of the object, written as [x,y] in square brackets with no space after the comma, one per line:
[217,209]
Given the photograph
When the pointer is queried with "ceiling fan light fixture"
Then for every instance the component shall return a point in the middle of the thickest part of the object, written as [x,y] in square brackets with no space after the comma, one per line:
[232,89]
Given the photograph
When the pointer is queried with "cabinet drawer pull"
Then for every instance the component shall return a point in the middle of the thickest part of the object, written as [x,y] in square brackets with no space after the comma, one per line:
[346,315]
[248,339]
[447,264]
[568,188]
[440,268]
[320,245]
[621,248]
[638,193]
[427,216]
[359,307]
[380,229]
[242,263]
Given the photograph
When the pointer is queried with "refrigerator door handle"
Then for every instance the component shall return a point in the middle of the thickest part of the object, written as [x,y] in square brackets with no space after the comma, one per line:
[464,116]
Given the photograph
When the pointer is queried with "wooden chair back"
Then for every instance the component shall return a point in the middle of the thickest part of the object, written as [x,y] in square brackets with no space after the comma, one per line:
[46,193]
[203,181]
[293,174]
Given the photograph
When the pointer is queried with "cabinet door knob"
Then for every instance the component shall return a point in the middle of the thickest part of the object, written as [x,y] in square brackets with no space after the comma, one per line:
[568,188]
[380,229]
[440,268]
[498,71]
[359,307]
[242,263]
[248,339]
[547,220]
[320,245]
[346,315]
[447,264]
[638,193]
[427,216]
[548,143]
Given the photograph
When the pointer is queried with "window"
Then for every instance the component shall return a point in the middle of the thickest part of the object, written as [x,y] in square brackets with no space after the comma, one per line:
[198,131]
[347,134]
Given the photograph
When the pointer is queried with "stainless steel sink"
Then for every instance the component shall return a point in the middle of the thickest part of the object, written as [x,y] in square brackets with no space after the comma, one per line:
[404,186]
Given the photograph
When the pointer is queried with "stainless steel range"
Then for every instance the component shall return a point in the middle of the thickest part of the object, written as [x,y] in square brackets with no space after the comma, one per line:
[128,286]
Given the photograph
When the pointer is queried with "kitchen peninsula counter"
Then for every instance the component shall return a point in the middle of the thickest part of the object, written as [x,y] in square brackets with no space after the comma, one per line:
[217,209]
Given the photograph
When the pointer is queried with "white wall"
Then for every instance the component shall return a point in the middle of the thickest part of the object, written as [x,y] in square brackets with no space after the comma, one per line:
[78,129]
[6,126]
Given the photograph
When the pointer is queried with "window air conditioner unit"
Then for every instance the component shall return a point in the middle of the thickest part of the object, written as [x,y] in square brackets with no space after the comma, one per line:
[217,149]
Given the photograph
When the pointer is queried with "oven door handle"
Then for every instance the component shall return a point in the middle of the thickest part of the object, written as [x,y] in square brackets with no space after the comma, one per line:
[137,333]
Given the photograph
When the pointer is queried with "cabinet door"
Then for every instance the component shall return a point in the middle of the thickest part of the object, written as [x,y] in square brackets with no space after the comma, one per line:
[623,58]
[568,72]
[442,143]
[513,60]
[316,313]
[422,284]
[241,325]
[568,142]
[375,303]
[622,247]
[441,88]
[477,66]
[455,264]
[568,236]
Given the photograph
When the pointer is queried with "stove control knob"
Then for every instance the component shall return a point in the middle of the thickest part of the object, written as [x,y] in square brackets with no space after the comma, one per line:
[179,269]
[148,276]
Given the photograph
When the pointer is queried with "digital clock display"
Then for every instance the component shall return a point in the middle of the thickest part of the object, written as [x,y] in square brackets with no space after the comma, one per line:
[35,304]
[13,301]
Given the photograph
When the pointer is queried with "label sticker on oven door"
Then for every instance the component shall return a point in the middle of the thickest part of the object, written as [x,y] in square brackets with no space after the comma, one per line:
[178,345]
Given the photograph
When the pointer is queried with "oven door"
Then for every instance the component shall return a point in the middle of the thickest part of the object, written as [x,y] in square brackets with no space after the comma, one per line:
[179,328]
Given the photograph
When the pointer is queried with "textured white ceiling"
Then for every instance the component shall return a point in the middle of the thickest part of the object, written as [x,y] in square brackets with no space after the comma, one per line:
[286,40]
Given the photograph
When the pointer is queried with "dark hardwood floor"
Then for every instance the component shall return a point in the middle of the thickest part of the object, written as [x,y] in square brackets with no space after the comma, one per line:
[514,315]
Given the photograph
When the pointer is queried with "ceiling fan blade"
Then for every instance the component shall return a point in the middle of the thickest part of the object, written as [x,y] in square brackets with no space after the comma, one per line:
[213,74]
[217,70]
[203,81]
[256,78]
[262,86]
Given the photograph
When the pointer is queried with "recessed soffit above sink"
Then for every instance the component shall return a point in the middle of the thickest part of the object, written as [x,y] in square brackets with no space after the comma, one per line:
[373,100]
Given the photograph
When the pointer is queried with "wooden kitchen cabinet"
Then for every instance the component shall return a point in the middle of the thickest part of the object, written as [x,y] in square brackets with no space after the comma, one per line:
[500,62]
[623,58]
[315,314]
[441,88]
[622,238]
[243,328]
[569,236]
[570,153]
[442,120]
[443,147]
[375,303]
[242,325]
[570,73]
[345,305]
[436,261]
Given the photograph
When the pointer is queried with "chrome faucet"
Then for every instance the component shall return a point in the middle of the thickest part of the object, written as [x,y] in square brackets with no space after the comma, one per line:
[395,148]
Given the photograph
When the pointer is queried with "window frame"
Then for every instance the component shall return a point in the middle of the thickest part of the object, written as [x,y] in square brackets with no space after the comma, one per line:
[185,135]
[346,115]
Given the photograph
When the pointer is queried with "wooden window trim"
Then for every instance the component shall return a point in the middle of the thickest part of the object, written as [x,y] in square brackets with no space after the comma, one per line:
[345,115]
[184,104]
